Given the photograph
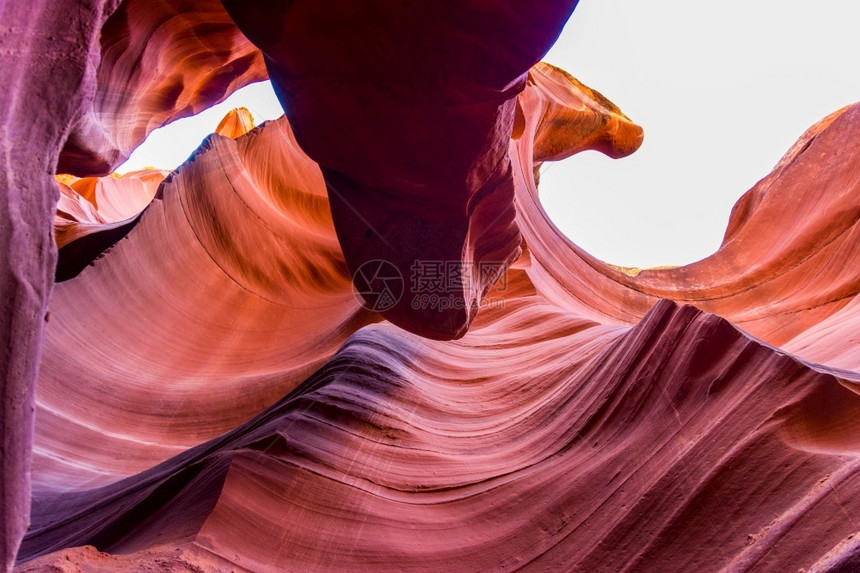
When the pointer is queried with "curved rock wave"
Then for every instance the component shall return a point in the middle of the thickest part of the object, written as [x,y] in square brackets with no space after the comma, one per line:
[779,270]
[214,394]
[584,421]
[246,293]
[613,451]
[94,213]
[159,61]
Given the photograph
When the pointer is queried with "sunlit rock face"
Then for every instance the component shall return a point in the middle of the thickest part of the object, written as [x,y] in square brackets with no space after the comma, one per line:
[93,213]
[214,394]
[236,123]
[159,60]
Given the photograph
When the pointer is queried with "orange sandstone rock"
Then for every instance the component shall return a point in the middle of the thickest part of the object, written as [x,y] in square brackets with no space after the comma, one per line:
[237,122]
[214,394]
[580,424]
[159,61]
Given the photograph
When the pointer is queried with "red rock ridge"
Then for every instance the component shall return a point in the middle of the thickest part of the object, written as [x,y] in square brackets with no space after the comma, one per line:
[212,394]
[159,61]
[553,435]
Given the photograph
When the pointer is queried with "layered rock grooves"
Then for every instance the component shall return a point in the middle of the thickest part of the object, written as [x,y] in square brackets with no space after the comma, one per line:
[213,394]
[789,242]
[82,85]
[614,452]
[246,293]
[159,60]
[93,213]
[585,422]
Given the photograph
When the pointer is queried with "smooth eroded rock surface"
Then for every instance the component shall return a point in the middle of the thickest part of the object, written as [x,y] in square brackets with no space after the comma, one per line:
[231,377]
[159,60]
[47,58]
[585,422]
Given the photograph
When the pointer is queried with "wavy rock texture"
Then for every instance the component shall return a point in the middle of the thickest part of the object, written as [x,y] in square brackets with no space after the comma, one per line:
[581,424]
[246,293]
[213,396]
[95,212]
[160,60]
[83,83]
[92,201]
[787,243]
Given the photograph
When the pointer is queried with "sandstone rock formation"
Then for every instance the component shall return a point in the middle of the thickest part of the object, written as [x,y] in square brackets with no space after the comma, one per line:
[646,425]
[159,60]
[236,123]
[83,83]
[41,47]
[416,156]
[213,393]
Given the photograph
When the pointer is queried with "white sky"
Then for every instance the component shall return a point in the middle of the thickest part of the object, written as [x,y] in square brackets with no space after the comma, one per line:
[169,146]
[722,89]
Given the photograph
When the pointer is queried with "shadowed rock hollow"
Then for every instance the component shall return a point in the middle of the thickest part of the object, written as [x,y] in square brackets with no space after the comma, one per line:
[213,394]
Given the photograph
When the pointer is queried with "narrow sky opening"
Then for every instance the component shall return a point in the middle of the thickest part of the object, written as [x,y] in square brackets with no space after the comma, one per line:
[169,146]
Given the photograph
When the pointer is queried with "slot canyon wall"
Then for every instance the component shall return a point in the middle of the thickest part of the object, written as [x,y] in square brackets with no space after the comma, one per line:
[351,339]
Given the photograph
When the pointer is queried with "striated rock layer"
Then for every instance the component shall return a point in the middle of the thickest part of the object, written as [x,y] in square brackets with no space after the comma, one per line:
[213,393]
[82,85]
[581,424]
[620,448]
[240,241]
[246,294]
[159,60]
